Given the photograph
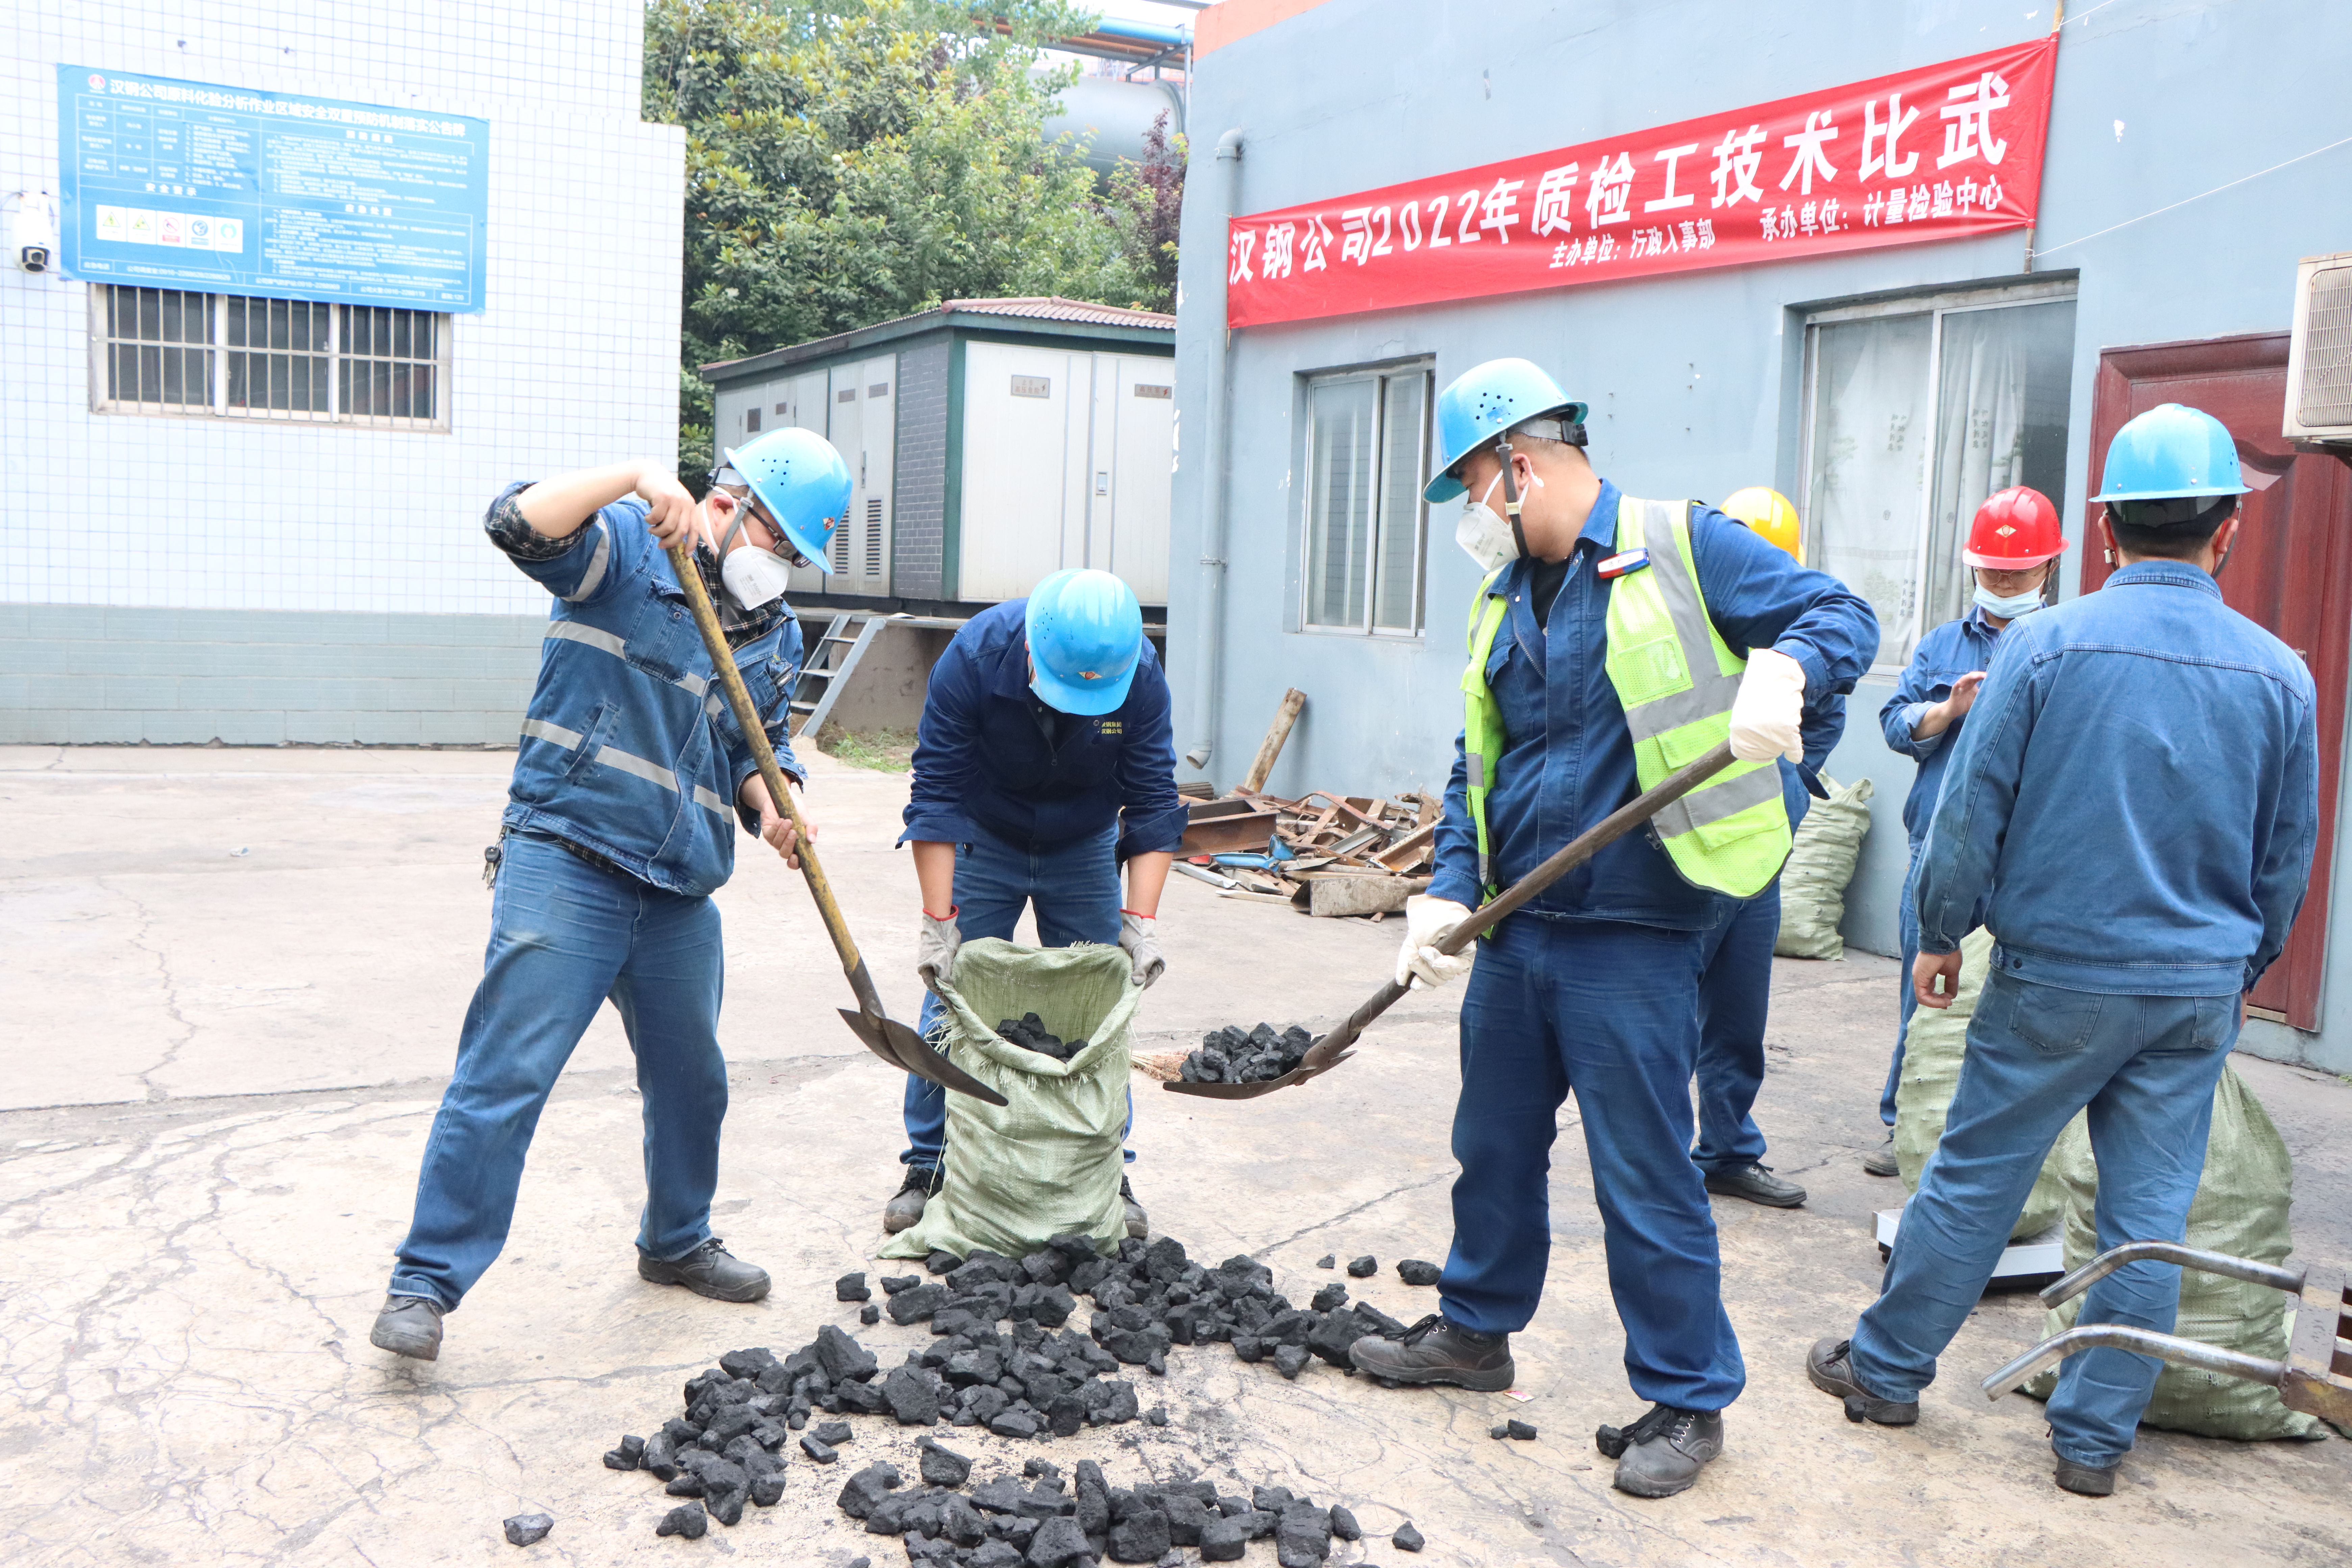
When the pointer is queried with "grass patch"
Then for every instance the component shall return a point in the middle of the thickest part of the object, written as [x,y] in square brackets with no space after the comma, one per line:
[884,751]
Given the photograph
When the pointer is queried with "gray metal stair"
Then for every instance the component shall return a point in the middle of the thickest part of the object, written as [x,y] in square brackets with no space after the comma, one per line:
[824,672]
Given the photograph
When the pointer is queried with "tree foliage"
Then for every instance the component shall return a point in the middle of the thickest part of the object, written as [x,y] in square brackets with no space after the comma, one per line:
[852,161]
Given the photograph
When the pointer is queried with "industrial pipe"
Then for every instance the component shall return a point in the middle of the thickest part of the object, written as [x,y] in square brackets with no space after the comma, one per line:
[2287,1280]
[1210,629]
[2140,1341]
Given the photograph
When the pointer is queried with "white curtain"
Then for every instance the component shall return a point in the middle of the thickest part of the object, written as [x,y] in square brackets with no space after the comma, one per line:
[1868,469]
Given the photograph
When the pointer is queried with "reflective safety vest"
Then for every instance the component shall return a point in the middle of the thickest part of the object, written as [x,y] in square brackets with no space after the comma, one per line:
[1676,681]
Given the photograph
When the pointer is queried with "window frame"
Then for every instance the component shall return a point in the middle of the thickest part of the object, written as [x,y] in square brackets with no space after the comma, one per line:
[1935,305]
[217,347]
[1379,375]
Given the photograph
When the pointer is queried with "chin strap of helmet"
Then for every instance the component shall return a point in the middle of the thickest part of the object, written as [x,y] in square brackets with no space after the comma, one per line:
[1511,493]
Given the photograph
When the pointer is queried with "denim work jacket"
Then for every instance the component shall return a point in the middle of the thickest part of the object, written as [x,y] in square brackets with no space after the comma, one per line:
[1567,757]
[1944,654]
[2134,801]
[982,758]
[630,748]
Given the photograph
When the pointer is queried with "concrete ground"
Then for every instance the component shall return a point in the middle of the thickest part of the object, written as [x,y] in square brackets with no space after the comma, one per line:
[234,981]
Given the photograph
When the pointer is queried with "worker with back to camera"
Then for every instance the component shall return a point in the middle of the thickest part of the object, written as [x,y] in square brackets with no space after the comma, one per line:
[1615,641]
[2132,809]
[629,779]
[1735,993]
[1044,762]
[2014,545]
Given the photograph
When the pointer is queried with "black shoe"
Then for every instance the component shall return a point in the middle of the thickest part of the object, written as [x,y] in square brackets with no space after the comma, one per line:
[1758,1185]
[1827,1364]
[1662,1453]
[708,1270]
[1437,1350]
[905,1209]
[1138,1223]
[2086,1480]
[409,1326]
[1881,1161]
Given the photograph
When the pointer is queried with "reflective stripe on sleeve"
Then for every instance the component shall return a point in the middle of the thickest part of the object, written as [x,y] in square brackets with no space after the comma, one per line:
[605,642]
[594,577]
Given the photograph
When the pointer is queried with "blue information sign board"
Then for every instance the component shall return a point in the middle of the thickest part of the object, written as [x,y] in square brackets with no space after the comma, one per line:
[186,185]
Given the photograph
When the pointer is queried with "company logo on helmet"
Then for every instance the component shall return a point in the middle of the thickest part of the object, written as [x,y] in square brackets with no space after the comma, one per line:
[2005,530]
[1088,675]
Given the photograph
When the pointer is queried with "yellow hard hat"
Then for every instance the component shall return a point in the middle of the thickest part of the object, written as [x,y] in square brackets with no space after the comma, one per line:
[1769,515]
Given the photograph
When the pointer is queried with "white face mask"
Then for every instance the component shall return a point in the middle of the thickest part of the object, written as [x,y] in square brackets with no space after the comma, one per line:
[1483,533]
[753,577]
[2008,608]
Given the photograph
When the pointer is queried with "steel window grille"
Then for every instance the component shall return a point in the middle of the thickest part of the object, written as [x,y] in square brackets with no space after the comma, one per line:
[168,350]
[1916,410]
[1367,443]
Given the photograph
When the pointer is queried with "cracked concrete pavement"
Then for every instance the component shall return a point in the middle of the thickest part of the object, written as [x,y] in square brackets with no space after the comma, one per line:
[234,980]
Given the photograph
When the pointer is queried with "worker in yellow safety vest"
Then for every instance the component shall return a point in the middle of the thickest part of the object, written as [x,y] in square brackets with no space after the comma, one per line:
[1612,641]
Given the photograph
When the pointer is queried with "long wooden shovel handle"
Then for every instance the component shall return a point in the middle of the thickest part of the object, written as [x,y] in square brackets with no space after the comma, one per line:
[755,735]
[1326,1052]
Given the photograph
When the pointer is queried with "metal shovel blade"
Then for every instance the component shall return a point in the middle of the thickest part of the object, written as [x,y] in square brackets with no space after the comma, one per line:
[908,1051]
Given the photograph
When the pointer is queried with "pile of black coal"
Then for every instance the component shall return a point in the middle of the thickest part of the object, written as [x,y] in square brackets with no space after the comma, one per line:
[1039,1520]
[1235,1054]
[1029,1032]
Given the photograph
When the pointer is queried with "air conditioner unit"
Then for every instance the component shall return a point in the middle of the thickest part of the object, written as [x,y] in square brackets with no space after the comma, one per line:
[2319,358]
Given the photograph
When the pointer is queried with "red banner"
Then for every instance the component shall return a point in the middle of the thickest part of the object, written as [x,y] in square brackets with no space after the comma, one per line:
[1942,153]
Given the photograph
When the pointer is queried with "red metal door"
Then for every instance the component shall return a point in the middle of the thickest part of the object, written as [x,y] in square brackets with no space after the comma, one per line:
[2291,571]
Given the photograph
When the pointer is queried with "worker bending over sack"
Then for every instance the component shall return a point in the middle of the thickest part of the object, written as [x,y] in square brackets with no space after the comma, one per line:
[1615,641]
[1044,760]
[2133,805]
[629,779]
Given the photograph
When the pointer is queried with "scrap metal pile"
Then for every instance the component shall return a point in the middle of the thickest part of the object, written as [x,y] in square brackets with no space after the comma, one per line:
[1329,854]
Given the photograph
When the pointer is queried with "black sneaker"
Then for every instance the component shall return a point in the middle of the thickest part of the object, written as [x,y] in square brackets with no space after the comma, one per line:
[1758,1185]
[708,1270]
[1438,1350]
[1832,1371]
[409,1326]
[907,1208]
[1662,1453]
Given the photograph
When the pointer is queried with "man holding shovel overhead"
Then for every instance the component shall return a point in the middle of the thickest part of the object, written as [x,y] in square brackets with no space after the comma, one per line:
[1045,761]
[1614,641]
[629,779]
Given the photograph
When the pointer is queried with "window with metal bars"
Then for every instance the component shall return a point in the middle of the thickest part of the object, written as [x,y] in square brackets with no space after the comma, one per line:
[1368,435]
[170,350]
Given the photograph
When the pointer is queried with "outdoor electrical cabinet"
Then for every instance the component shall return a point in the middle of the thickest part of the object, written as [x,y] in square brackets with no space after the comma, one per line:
[989,443]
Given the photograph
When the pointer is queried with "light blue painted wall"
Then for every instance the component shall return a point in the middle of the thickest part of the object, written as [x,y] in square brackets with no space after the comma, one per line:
[92,675]
[1693,379]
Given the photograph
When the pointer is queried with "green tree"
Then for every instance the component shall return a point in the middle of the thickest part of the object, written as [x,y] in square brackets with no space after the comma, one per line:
[1145,206]
[852,161]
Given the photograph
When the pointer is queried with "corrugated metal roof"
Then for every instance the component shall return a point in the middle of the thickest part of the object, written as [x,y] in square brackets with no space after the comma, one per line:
[1053,308]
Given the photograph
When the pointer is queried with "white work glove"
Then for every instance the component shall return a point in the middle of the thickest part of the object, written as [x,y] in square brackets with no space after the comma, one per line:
[935,948]
[1427,921]
[1771,701]
[1139,935]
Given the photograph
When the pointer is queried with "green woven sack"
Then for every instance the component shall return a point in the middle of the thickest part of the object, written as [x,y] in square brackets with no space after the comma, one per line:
[1047,1161]
[1932,1050]
[2240,1209]
[1813,884]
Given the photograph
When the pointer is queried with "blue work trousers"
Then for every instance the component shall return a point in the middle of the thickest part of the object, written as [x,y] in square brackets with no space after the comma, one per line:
[1075,889]
[1906,921]
[1735,997]
[1610,1010]
[564,936]
[2145,1068]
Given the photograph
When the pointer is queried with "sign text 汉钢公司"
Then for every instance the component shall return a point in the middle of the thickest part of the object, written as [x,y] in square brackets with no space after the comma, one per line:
[1945,152]
[181,184]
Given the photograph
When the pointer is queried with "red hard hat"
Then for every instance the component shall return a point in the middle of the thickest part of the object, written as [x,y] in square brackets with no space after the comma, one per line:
[2015,528]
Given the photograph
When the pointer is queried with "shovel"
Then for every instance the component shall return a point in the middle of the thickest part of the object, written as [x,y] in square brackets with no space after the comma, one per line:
[886,1037]
[1339,1045]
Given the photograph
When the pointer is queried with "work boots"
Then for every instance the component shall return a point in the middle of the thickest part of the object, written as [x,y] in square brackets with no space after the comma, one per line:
[1438,1350]
[1662,1453]
[708,1270]
[1138,1223]
[409,1326]
[1758,1185]
[1828,1364]
[1881,1160]
[2086,1480]
[907,1208]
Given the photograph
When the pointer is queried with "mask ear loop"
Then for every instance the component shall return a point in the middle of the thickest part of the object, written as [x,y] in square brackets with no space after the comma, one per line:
[1511,494]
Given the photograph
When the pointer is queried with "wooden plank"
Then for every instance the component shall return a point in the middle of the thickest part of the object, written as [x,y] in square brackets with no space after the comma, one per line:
[1270,749]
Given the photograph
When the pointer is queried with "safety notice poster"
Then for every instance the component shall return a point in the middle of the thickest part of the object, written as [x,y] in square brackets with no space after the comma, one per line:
[182,184]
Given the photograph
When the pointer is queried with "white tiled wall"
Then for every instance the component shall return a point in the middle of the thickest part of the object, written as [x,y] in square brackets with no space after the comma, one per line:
[575,361]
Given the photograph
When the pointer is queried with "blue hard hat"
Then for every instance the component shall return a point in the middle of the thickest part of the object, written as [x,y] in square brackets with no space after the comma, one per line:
[801,481]
[1481,403]
[2171,450]
[1086,637]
